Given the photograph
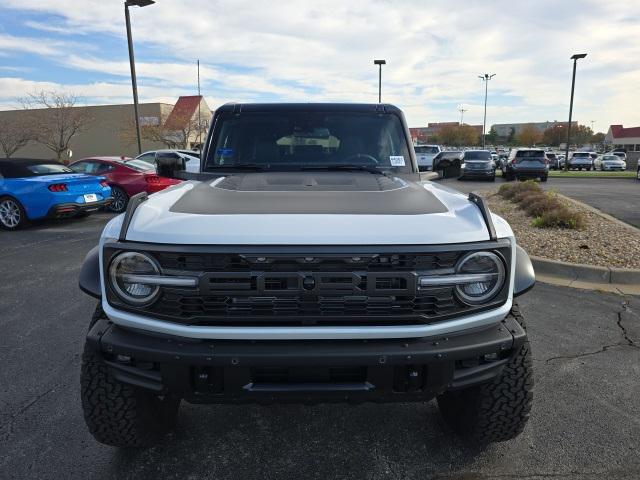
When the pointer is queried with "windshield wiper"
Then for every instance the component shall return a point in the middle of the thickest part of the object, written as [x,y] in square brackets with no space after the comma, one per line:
[238,166]
[338,167]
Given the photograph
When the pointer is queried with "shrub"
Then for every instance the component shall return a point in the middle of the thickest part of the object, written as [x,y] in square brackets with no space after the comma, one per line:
[539,206]
[547,210]
[560,218]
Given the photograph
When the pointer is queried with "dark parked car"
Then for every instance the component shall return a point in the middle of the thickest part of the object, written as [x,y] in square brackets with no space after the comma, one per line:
[554,161]
[526,163]
[125,176]
[477,164]
[448,163]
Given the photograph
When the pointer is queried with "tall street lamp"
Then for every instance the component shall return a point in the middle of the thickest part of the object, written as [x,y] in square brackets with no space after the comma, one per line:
[379,63]
[132,63]
[485,78]
[575,59]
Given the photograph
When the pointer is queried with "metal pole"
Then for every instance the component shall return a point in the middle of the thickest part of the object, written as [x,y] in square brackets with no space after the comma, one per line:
[380,84]
[134,83]
[200,101]
[573,85]
[484,123]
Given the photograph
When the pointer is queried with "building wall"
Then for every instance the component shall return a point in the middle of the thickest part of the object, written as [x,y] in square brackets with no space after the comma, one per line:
[504,129]
[111,131]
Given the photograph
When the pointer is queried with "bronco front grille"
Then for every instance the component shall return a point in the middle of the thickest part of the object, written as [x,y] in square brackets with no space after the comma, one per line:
[309,288]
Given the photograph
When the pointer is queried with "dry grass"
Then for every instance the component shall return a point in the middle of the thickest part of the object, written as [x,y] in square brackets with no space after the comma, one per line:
[545,208]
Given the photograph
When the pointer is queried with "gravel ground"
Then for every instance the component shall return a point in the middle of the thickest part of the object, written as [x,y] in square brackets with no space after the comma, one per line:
[602,242]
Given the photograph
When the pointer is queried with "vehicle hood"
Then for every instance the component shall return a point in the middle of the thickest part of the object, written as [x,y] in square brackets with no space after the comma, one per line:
[309,208]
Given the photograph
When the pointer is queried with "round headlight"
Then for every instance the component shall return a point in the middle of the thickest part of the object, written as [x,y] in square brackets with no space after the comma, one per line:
[489,269]
[122,275]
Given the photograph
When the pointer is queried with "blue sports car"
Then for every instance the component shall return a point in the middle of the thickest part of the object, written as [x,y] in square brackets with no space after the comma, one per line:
[32,189]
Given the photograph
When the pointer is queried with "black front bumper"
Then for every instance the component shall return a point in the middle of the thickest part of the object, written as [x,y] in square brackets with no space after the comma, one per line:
[478,173]
[71,209]
[233,371]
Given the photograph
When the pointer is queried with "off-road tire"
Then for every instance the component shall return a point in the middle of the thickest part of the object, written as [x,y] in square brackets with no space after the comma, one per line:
[118,414]
[495,411]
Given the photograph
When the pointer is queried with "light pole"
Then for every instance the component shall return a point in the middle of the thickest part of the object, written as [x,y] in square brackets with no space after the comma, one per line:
[132,62]
[575,59]
[462,110]
[485,78]
[379,63]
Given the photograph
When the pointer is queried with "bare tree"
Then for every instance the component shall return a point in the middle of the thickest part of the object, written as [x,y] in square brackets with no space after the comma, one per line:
[15,134]
[177,133]
[60,123]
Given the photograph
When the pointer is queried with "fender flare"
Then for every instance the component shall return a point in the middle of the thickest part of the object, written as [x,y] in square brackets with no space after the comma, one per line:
[89,281]
[525,277]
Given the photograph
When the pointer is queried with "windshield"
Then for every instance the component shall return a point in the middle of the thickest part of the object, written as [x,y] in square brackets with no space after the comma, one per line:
[48,169]
[426,149]
[530,154]
[611,158]
[139,165]
[581,155]
[551,155]
[481,155]
[299,140]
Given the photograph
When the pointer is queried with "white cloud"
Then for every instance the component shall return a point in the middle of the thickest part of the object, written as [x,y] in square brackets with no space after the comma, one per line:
[324,51]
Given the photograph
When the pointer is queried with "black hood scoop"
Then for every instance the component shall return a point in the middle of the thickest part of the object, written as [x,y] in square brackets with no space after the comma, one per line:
[331,193]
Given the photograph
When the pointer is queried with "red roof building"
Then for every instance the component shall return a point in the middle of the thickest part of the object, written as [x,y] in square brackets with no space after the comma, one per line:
[627,138]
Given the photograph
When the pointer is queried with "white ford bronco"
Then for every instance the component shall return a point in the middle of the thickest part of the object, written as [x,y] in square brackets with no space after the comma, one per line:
[305,262]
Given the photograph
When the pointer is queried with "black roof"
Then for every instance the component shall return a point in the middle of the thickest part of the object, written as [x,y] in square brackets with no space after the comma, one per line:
[306,107]
[17,167]
[27,161]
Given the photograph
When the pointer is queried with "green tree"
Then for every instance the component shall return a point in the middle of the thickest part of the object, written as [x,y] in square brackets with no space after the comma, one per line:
[492,136]
[598,137]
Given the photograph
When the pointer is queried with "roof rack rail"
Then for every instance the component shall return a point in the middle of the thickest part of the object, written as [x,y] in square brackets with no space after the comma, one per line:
[486,215]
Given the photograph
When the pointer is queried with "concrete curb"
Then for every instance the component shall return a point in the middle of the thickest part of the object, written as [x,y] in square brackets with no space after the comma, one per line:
[576,272]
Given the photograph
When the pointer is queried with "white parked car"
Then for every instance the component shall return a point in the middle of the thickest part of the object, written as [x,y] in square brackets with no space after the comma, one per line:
[191,158]
[609,162]
[425,154]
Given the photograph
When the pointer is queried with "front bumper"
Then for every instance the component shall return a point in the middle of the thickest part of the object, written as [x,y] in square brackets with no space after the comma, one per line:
[478,173]
[71,209]
[220,371]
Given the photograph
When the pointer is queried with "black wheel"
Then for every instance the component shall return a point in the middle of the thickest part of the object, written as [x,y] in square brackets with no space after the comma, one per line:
[120,200]
[543,179]
[118,414]
[492,179]
[496,411]
[12,214]
[588,169]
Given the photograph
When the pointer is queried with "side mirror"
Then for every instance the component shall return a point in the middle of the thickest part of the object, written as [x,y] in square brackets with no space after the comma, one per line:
[169,165]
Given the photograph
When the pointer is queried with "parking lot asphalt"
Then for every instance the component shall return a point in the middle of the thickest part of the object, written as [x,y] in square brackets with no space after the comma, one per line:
[619,197]
[584,424]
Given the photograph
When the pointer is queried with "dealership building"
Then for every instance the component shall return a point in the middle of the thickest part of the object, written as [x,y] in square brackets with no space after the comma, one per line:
[110,129]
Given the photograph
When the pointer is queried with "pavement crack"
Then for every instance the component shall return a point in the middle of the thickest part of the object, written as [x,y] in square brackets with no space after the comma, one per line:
[625,333]
[627,340]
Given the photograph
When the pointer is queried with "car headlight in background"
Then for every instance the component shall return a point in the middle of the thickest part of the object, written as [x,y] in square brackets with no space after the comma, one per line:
[478,277]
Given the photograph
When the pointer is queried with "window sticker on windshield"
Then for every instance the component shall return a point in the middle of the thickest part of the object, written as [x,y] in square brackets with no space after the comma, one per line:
[225,152]
[397,160]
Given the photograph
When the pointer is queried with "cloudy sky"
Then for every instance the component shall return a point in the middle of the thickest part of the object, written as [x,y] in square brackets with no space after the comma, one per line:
[323,51]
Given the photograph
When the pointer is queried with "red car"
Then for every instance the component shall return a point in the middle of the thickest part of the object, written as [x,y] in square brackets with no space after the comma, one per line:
[125,176]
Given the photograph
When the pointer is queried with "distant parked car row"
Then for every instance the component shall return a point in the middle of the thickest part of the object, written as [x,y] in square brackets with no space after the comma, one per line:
[32,189]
